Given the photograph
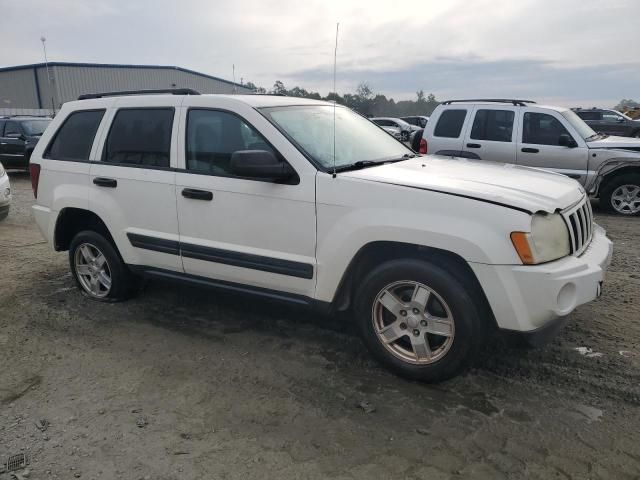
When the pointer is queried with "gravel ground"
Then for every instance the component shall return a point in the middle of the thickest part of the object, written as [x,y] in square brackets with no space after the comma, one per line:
[183,383]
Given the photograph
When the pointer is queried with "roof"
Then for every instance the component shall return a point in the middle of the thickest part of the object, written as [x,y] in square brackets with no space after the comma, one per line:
[115,65]
[507,103]
[275,100]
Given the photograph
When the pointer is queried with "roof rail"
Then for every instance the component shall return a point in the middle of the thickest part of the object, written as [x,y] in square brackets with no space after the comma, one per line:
[172,91]
[516,102]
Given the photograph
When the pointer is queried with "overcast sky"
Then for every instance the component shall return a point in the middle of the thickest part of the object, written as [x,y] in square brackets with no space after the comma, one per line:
[567,52]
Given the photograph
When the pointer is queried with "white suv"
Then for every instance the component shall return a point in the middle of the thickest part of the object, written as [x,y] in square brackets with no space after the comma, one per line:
[554,138]
[250,194]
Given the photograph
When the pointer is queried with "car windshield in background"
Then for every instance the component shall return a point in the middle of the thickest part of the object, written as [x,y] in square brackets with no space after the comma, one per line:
[584,130]
[35,127]
[357,140]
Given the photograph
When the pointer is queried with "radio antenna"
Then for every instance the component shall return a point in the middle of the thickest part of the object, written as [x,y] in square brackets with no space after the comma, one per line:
[335,97]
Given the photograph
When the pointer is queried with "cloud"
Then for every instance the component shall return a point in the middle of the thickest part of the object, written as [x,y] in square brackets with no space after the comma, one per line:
[544,81]
[540,47]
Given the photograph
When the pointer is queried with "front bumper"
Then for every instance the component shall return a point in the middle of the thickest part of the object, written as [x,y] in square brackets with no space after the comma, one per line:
[526,298]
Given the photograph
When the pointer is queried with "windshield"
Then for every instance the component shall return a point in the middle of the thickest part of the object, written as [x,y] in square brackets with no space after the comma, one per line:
[584,130]
[357,139]
[35,127]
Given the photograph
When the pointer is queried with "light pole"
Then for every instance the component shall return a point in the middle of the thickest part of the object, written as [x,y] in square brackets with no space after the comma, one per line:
[46,63]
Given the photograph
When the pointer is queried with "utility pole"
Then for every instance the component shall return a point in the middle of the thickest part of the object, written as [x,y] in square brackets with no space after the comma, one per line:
[46,63]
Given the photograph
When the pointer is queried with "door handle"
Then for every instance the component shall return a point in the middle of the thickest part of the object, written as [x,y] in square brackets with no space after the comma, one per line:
[196,194]
[473,145]
[105,182]
[530,150]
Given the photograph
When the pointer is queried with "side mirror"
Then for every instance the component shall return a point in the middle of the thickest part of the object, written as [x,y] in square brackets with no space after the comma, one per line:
[620,120]
[565,140]
[260,164]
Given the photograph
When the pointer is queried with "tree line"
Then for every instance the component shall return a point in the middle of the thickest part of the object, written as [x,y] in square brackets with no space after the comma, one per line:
[371,104]
[364,100]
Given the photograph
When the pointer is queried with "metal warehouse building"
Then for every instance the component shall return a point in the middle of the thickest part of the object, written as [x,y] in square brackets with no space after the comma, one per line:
[41,86]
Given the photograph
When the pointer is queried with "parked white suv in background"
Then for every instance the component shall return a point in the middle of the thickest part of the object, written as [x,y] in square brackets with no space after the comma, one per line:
[553,138]
[245,193]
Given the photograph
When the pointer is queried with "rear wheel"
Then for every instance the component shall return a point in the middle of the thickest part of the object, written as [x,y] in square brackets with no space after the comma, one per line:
[98,269]
[418,320]
[621,195]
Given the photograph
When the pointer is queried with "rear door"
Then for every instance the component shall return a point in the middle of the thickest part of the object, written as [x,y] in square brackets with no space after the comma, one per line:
[446,135]
[492,135]
[12,144]
[538,144]
[133,185]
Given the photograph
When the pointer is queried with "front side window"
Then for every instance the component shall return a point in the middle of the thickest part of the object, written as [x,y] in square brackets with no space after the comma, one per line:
[140,136]
[494,125]
[74,138]
[35,127]
[450,124]
[610,116]
[313,130]
[542,129]
[212,138]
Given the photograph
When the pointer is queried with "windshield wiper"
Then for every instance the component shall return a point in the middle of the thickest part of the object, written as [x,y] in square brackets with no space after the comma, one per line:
[370,163]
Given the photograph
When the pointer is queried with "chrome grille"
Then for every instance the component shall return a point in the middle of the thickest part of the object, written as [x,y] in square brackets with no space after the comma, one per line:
[579,220]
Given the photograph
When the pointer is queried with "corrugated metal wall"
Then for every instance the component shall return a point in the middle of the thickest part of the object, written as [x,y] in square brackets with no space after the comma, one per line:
[18,87]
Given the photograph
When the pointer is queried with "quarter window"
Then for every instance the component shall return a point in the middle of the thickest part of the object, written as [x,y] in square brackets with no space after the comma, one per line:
[74,138]
[140,136]
[542,129]
[450,124]
[212,138]
[494,125]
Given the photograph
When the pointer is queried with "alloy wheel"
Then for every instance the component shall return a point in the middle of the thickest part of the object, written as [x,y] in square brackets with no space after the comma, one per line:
[92,270]
[413,322]
[626,199]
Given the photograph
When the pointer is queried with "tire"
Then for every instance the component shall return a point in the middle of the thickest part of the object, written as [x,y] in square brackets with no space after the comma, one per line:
[448,355]
[636,134]
[405,136]
[621,195]
[87,244]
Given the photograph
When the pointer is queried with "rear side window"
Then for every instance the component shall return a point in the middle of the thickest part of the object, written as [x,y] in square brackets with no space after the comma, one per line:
[542,129]
[494,125]
[74,138]
[140,136]
[450,124]
[12,128]
[590,115]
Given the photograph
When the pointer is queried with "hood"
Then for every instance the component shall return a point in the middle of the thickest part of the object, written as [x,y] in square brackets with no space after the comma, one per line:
[524,188]
[616,142]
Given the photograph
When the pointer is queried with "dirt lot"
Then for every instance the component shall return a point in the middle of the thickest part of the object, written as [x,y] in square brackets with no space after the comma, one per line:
[182,383]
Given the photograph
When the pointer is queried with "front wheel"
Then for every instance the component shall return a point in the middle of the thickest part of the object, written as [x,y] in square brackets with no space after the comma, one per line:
[418,320]
[622,195]
[98,269]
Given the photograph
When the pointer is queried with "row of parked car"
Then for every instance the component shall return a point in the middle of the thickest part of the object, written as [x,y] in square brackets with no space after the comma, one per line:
[402,128]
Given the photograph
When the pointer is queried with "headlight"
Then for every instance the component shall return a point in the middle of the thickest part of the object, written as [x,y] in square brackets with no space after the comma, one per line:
[548,240]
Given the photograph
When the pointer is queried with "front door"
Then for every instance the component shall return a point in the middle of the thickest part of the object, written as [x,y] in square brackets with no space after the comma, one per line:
[133,186]
[539,146]
[237,230]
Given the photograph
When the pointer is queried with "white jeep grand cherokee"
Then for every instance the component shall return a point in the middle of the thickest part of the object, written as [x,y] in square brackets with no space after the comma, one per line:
[239,193]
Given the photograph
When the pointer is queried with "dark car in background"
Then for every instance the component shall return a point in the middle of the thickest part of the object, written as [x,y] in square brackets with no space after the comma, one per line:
[610,122]
[417,120]
[18,137]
